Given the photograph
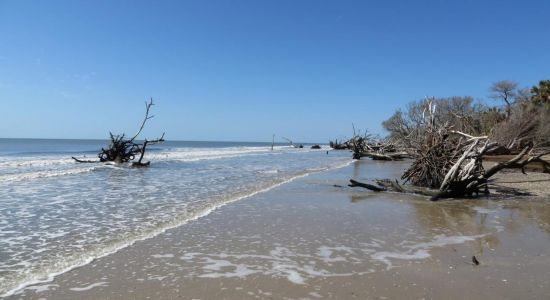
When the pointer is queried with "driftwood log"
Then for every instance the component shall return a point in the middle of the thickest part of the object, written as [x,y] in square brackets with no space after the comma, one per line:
[384,155]
[387,185]
[124,150]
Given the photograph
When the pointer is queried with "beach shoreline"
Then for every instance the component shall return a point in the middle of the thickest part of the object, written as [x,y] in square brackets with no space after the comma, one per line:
[315,237]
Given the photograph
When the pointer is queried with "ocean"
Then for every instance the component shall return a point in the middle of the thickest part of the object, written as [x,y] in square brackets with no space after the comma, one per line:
[56,214]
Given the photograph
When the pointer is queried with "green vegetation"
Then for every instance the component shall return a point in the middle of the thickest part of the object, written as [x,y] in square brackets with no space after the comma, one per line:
[541,93]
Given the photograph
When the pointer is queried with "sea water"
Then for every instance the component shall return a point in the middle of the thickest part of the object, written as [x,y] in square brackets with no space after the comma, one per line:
[56,214]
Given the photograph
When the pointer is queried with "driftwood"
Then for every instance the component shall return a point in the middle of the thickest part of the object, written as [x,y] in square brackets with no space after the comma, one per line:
[375,188]
[288,140]
[465,178]
[139,163]
[292,143]
[385,155]
[340,146]
[83,161]
[387,185]
[541,166]
[367,145]
[449,163]
[123,150]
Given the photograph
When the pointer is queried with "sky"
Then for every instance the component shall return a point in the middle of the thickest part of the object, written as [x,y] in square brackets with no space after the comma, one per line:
[245,70]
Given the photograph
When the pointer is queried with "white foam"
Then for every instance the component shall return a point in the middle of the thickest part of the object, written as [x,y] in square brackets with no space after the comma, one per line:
[36,167]
[443,240]
[291,274]
[297,268]
[163,255]
[421,250]
[384,256]
[40,288]
[45,174]
[269,171]
[35,162]
[89,287]
[327,253]
[240,271]
[197,154]
[216,264]
[47,275]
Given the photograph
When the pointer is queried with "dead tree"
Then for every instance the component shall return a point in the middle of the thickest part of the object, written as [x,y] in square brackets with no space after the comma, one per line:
[288,140]
[292,144]
[340,146]
[505,90]
[448,163]
[359,142]
[367,145]
[464,179]
[124,150]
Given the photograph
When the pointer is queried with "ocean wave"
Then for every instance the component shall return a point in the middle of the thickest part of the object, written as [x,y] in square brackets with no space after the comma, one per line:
[35,162]
[198,154]
[48,272]
[45,174]
[23,168]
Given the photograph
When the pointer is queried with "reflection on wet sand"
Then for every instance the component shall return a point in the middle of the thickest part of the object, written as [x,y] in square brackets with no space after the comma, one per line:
[469,217]
[536,212]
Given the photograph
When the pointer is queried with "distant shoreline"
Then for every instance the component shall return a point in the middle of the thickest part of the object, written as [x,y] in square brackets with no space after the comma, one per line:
[167,141]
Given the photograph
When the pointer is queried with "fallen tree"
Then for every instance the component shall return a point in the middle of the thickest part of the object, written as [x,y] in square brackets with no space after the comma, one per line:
[340,145]
[292,143]
[386,185]
[461,180]
[367,145]
[125,150]
[449,163]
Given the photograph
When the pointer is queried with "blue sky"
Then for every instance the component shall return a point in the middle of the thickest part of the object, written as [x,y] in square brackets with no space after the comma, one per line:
[243,70]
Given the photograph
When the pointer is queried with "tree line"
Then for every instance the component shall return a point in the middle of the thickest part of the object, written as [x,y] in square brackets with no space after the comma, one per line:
[522,119]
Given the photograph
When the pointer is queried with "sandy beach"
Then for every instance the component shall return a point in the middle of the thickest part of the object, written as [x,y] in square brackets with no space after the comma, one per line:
[317,238]
[209,150]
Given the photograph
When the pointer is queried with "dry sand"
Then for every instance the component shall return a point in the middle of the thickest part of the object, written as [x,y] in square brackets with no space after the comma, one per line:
[311,239]
[530,182]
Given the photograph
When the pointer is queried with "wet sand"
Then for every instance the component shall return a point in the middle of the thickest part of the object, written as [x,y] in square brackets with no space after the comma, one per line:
[317,238]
